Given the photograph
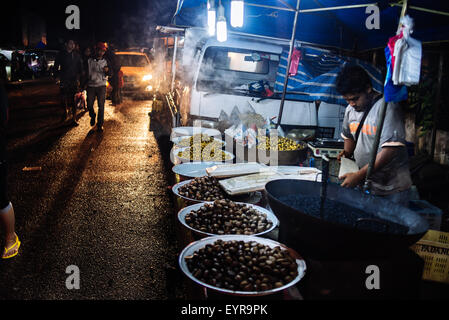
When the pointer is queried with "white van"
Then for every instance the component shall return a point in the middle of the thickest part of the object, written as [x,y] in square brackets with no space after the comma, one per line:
[216,75]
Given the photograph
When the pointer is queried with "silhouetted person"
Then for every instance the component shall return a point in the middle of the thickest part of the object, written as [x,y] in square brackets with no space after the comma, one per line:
[97,72]
[7,218]
[68,67]
[114,80]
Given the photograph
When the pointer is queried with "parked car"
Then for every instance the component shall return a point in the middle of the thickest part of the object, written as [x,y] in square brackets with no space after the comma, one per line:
[50,57]
[5,68]
[137,73]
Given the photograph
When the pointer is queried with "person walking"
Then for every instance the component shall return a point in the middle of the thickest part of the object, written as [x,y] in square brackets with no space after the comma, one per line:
[97,72]
[68,68]
[114,80]
[7,218]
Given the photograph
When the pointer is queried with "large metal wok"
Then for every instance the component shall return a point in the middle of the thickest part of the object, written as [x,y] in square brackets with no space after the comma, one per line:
[319,238]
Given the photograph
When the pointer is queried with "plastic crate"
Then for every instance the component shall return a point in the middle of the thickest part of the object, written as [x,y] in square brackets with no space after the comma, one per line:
[432,214]
[434,249]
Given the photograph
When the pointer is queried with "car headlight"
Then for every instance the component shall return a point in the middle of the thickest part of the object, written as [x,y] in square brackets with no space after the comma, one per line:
[147,77]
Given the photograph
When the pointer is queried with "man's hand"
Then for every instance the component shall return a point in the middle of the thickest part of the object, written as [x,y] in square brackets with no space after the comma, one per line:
[348,149]
[351,180]
[342,154]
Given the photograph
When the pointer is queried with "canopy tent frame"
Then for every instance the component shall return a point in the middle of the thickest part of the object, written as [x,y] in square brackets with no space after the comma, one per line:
[292,41]
[308,10]
[354,6]
[289,62]
[422,9]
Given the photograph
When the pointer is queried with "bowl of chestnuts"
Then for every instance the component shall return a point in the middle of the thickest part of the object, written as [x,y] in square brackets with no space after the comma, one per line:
[201,189]
[242,265]
[226,217]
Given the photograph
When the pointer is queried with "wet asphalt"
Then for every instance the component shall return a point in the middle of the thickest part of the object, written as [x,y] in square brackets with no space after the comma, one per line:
[100,202]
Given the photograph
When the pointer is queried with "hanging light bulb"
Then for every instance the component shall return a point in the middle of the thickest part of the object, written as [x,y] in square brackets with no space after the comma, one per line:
[211,17]
[237,13]
[222,28]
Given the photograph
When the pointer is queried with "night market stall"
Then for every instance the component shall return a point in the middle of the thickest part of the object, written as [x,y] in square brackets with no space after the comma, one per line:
[256,227]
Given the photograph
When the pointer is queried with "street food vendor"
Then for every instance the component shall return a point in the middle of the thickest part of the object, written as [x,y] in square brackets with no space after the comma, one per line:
[391,176]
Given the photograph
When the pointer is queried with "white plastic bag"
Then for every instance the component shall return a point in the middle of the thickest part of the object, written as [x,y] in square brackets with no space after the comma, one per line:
[411,63]
[408,54]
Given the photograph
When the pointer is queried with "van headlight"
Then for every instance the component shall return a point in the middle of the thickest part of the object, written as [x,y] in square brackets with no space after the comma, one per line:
[147,77]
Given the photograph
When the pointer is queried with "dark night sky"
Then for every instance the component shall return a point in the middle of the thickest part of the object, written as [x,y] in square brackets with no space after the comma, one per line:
[124,22]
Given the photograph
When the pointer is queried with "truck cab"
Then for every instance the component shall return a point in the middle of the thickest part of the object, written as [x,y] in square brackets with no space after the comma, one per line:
[217,76]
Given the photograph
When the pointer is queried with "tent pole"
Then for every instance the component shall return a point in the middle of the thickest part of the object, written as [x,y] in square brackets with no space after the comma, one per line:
[403,11]
[373,155]
[423,9]
[292,46]
[311,10]
[380,121]
[437,105]
[173,66]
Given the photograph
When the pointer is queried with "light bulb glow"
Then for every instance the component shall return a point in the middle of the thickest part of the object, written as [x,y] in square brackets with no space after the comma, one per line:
[222,27]
[222,30]
[211,17]
[237,13]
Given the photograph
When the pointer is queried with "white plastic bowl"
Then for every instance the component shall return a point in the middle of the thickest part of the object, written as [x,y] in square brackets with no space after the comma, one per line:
[185,211]
[197,245]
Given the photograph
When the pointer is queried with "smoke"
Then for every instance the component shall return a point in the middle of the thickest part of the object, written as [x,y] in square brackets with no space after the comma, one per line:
[138,27]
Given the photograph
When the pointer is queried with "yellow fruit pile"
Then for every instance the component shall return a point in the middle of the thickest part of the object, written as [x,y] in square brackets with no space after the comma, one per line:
[189,142]
[284,144]
[208,152]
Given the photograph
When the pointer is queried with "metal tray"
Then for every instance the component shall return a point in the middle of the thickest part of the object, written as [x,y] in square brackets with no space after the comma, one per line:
[194,169]
[270,216]
[190,131]
[195,246]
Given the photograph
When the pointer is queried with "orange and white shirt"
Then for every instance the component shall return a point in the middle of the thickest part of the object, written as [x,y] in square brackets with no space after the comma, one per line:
[395,176]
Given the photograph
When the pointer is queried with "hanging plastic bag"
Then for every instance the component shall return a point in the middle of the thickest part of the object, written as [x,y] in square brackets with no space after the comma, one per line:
[392,93]
[296,58]
[399,48]
[409,56]
[410,70]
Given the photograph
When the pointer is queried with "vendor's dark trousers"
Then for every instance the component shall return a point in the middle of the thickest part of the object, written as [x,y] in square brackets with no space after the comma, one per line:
[68,92]
[98,93]
[115,94]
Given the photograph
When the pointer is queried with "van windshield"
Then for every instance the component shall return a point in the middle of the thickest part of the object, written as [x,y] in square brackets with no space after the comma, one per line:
[132,60]
[230,69]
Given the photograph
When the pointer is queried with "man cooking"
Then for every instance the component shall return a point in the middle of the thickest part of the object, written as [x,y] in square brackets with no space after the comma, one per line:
[390,176]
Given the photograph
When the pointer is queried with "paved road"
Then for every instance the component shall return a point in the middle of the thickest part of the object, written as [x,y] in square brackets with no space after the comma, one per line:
[101,203]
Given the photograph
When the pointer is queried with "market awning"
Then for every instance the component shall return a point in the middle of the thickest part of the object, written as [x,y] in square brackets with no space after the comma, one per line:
[329,23]
[316,76]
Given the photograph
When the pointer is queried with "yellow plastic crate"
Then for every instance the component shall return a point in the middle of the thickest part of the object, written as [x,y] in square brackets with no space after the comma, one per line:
[434,249]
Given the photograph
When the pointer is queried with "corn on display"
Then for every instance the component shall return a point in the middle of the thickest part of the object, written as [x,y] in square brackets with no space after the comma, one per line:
[204,138]
[283,144]
[211,151]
